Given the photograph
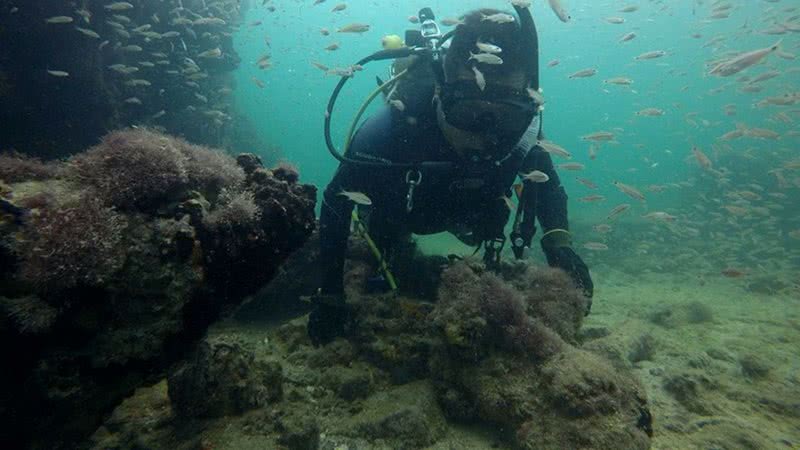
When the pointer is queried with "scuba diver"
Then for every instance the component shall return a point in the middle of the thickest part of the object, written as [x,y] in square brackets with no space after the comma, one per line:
[461,124]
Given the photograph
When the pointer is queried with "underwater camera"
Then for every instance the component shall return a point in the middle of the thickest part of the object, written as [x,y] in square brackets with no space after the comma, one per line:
[427,44]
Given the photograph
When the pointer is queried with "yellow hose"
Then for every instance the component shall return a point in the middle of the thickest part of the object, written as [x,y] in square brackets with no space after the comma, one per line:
[360,226]
[366,104]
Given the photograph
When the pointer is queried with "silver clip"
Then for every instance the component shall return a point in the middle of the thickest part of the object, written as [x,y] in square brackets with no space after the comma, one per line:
[413,179]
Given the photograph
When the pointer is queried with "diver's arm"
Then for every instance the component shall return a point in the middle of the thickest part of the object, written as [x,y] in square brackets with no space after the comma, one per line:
[371,142]
[334,228]
[330,315]
[545,201]
[549,202]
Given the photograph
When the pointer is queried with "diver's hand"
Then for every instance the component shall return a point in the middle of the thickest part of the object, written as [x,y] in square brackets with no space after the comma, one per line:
[566,259]
[329,319]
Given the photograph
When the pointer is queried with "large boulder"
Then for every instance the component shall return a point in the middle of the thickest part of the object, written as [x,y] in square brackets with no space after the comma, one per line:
[122,258]
[223,378]
[505,358]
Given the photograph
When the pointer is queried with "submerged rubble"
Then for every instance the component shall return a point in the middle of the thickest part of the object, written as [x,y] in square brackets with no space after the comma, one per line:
[121,258]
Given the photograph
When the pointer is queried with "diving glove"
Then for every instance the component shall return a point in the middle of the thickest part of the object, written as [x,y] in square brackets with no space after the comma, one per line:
[557,246]
[329,319]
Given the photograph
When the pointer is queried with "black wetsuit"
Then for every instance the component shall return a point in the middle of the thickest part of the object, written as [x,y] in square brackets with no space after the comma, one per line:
[464,197]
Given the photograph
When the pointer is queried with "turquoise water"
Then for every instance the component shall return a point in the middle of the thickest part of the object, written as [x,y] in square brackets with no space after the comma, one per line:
[650,153]
[717,235]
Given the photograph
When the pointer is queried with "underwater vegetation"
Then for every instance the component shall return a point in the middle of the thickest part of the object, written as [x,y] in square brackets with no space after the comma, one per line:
[509,358]
[122,256]
[493,352]
[403,379]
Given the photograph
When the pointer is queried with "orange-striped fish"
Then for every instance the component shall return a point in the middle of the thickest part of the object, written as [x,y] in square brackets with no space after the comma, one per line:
[618,210]
[586,182]
[591,199]
[701,158]
[596,246]
[630,191]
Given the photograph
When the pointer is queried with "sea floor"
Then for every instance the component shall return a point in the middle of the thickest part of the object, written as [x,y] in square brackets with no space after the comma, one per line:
[723,376]
[720,363]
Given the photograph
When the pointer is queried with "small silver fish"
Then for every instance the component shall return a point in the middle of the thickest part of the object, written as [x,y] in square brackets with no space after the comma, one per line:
[554,149]
[743,61]
[213,53]
[356,197]
[354,28]
[660,215]
[559,10]
[630,191]
[536,96]
[650,112]
[88,32]
[137,82]
[620,81]
[599,136]
[398,104]
[85,14]
[346,72]
[498,18]
[59,19]
[118,6]
[209,21]
[571,166]
[451,22]
[58,73]
[651,55]
[485,58]
[480,80]
[585,73]
[488,48]
[618,210]
[536,176]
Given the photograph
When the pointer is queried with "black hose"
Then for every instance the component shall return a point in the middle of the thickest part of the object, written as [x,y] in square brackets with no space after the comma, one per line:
[377,56]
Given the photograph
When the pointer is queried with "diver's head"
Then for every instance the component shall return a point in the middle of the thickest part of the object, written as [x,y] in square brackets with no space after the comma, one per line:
[487,120]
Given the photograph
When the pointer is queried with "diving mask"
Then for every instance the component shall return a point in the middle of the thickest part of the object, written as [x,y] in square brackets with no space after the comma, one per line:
[497,110]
